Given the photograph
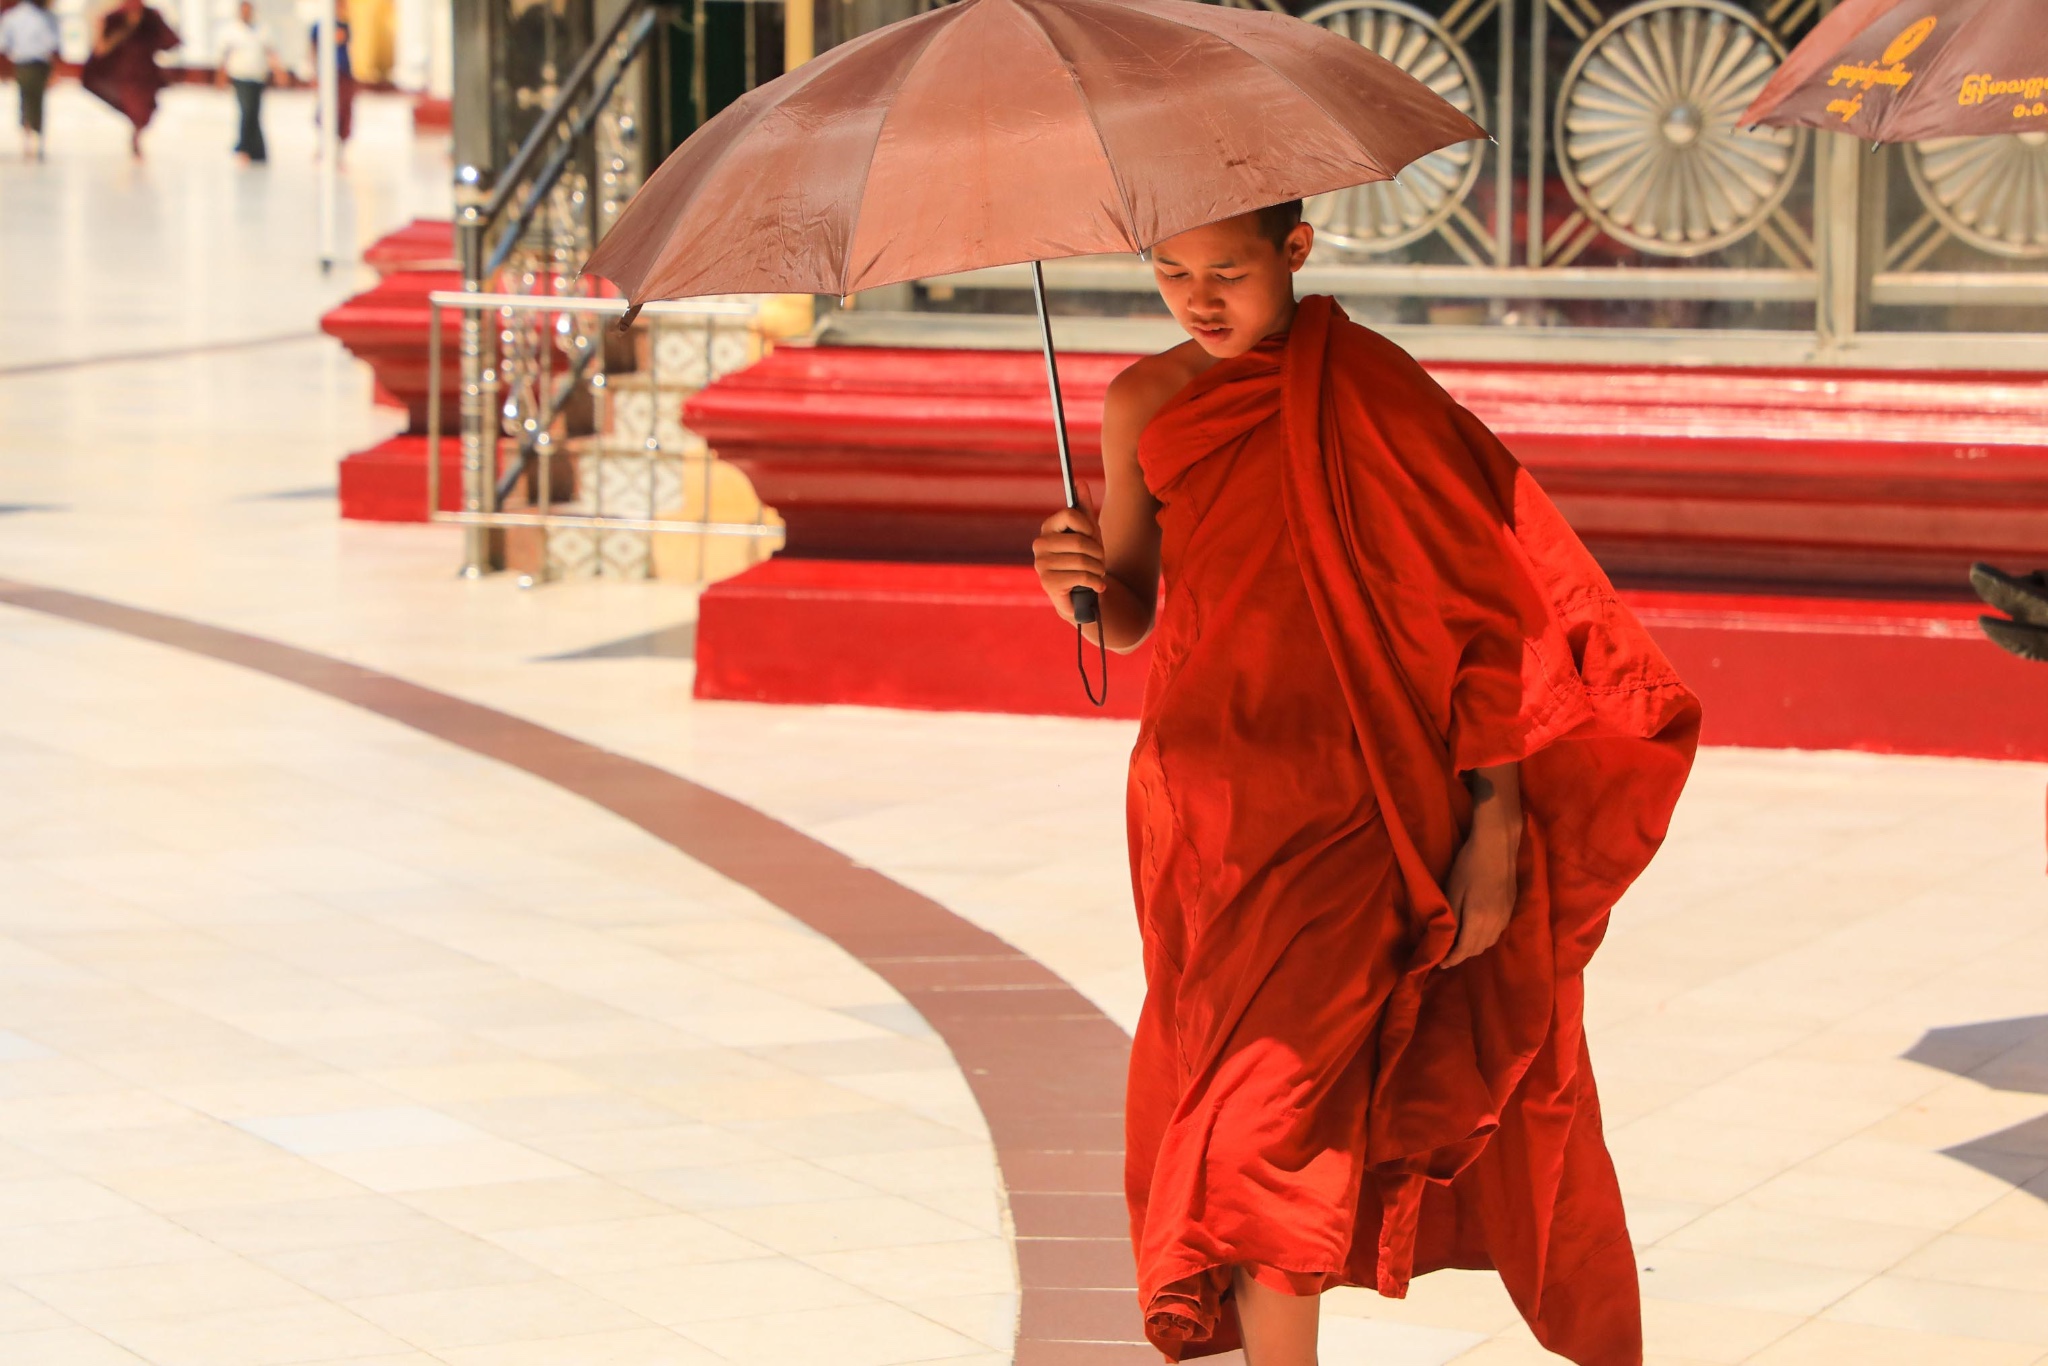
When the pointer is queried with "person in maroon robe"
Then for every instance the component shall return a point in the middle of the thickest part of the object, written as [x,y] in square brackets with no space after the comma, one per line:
[122,69]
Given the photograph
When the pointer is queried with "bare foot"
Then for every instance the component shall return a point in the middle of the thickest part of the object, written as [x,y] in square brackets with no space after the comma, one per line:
[135,144]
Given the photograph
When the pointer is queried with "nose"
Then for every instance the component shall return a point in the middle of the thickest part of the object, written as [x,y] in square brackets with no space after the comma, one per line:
[1204,301]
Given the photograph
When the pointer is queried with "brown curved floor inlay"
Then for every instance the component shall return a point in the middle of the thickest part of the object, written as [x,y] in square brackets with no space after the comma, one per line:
[44,367]
[1046,1066]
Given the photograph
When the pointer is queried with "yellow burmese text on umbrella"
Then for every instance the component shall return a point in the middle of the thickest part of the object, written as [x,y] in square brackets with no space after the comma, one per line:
[1981,89]
[1867,75]
[1886,70]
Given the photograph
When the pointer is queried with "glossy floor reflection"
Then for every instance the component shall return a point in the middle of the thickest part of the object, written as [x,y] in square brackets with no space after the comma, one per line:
[323,1041]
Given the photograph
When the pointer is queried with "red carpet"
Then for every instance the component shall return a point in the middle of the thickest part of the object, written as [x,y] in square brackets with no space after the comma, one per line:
[1780,672]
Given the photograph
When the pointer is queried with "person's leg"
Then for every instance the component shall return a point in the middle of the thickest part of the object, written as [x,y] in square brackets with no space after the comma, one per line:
[240,87]
[249,139]
[34,78]
[258,151]
[1279,1329]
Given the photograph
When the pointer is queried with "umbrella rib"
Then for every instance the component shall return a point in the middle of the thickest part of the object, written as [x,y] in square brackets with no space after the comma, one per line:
[1123,193]
[1311,100]
[1307,98]
[1334,121]
[1895,110]
[768,107]
[868,168]
[770,104]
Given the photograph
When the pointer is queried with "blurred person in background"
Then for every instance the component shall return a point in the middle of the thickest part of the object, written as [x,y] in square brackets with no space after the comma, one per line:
[122,69]
[28,38]
[247,62]
[344,80]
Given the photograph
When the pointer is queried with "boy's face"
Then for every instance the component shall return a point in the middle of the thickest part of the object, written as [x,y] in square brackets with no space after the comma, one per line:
[1227,284]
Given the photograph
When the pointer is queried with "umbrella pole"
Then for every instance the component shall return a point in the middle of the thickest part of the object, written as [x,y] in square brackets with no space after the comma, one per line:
[1087,607]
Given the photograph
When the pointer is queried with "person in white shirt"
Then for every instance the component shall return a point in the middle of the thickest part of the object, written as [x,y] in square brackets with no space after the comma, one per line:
[28,38]
[247,62]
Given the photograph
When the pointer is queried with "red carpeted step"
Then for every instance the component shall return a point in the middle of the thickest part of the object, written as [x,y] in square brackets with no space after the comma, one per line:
[1848,481]
[388,482]
[1893,676]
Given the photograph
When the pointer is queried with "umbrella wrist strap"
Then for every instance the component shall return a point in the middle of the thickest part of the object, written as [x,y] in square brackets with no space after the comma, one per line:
[1098,697]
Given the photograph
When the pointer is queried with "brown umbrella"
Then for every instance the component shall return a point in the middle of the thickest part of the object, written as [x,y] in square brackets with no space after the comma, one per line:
[1908,70]
[993,132]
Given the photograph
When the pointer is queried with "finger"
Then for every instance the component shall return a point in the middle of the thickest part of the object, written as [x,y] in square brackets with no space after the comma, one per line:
[1066,554]
[1058,542]
[1068,520]
[1065,582]
[1478,933]
[1070,576]
[1456,897]
[1066,551]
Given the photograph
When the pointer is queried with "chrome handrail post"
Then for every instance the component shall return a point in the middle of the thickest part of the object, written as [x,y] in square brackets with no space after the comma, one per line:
[433,408]
[479,416]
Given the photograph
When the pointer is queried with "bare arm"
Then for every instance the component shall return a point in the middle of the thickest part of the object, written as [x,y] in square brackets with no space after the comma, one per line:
[1117,553]
[1482,887]
[113,28]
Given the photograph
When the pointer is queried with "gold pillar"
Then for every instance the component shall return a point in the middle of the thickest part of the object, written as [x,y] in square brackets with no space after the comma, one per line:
[799,33]
[793,314]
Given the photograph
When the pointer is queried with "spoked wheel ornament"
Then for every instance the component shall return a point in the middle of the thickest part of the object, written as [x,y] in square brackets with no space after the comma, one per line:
[1991,192]
[1390,214]
[1646,135]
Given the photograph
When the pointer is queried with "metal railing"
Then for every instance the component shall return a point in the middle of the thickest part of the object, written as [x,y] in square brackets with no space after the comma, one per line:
[533,227]
[640,458]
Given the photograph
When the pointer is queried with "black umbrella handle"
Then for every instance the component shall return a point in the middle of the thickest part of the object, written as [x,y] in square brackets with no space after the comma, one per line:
[1087,606]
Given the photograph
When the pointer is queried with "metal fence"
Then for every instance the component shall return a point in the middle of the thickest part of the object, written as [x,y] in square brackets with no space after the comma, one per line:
[1621,213]
[571,436]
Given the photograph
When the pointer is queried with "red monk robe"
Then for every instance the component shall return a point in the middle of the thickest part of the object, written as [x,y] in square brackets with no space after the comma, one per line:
[1365,597]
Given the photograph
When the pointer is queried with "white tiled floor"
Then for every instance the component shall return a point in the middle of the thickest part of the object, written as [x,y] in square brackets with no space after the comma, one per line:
[320,1041]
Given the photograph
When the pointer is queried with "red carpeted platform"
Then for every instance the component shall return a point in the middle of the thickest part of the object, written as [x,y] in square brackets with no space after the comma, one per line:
[1777,672]
[423,244]
[1849,480]
[386,327]
[388,482]
[1797,540]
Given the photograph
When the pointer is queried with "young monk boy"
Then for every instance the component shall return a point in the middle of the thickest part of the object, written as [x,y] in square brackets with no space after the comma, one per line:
[1402,749]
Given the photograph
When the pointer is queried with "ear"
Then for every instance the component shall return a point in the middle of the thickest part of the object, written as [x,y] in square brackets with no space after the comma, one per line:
[1301,239]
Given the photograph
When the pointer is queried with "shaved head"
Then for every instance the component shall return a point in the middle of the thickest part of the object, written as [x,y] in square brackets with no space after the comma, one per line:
[1277,220]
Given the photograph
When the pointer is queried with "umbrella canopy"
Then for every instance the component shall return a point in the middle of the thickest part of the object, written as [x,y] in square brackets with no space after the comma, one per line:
[1908,70]
[990,132]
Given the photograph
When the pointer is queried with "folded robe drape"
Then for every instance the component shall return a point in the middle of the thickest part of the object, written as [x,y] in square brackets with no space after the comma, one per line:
[126,75]
[1365,597]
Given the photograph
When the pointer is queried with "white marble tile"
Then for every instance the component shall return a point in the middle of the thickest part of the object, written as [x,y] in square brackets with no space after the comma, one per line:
[475,1316]
[860,1335]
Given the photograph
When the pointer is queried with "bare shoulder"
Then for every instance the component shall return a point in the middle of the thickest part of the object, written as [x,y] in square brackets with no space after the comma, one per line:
[1148,384]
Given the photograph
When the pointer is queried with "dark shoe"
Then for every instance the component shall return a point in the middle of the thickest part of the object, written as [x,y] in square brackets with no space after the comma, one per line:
[2028,642]
[2022,599]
